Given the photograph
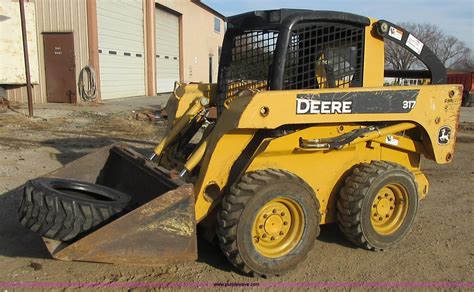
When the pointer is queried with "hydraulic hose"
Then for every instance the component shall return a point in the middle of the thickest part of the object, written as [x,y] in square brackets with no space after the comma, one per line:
[88,89]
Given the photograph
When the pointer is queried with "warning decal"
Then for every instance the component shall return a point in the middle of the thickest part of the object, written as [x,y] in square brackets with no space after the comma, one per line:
[391,140]
[395,33]
[415,44]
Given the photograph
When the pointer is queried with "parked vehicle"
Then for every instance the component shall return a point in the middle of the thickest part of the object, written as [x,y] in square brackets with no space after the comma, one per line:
[298,132]
[467,80]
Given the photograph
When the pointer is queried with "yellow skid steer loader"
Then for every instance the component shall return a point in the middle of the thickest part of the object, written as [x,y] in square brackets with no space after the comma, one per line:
[298,132]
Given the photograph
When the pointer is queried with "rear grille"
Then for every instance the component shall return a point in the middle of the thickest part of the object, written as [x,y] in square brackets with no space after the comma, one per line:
[324,55]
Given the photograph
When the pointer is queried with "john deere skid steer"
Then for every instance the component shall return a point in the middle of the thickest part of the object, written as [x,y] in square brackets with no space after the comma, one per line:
[299,132]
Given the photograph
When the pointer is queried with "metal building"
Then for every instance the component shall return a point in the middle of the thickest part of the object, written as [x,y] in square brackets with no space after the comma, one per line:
[136,47]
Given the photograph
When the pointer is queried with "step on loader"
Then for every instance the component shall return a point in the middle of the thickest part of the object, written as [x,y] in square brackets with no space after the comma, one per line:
[299,131]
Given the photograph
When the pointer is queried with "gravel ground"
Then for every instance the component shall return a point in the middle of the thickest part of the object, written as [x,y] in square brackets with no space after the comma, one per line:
[440,247]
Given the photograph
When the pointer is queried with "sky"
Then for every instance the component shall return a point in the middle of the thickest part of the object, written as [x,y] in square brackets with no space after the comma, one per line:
[454,17]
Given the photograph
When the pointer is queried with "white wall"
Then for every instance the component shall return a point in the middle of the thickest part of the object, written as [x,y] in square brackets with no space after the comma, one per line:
[12,65]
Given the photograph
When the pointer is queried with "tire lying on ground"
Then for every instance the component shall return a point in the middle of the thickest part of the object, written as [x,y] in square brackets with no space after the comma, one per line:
[63,209]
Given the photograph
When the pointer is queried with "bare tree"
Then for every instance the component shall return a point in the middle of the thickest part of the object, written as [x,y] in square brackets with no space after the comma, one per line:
[396,57]
[466,63]
[450,50]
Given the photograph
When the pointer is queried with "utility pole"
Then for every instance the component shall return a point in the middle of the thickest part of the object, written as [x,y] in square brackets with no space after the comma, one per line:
[27,61]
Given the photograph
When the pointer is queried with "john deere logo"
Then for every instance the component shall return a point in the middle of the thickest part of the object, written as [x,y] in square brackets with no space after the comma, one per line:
[309,106]
[444,135]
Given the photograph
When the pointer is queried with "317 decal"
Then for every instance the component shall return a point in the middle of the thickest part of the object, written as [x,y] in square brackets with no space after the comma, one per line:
[408,104]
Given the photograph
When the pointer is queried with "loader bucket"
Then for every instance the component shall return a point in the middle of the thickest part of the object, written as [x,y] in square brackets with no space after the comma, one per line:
[158,228]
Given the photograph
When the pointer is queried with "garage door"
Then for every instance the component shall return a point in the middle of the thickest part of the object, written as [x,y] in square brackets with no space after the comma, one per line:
[167,50]
[121,48]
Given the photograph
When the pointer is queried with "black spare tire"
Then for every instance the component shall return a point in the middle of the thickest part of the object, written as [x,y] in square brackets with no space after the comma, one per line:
[63,209]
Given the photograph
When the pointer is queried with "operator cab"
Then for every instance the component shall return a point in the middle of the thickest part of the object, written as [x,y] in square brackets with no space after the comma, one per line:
[304,49]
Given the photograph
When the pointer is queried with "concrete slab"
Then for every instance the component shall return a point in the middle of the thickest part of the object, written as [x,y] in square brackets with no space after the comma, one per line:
[467,115]
[56,110]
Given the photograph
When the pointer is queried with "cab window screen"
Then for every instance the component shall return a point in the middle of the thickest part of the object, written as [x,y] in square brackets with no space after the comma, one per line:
[252,56]
[324,55]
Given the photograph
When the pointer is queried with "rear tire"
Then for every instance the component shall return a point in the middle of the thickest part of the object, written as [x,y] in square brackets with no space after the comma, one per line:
[268,222]
[377,205]
[63,209]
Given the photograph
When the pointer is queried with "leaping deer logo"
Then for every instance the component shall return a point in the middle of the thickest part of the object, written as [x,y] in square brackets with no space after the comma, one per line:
[444,135]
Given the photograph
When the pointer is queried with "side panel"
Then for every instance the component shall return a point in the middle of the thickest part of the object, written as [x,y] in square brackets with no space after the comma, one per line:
[435,108]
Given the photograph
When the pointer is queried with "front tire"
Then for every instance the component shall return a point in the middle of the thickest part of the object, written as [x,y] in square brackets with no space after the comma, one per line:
[377,205]
[268,222]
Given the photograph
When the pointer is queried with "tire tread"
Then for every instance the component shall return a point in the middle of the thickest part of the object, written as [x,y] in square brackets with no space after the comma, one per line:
[233,204]
[59,217]
[349,205]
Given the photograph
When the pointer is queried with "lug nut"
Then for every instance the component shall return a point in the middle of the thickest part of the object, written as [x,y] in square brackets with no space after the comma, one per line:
[285,223]
[264,235]
[256,239]
[375,206]
[272,238]
[386,195]
[386,216]
[260,226]
[282,214]
[380,218]
[281,233]
[265,216]
[379,197]
[274,211]
[391,208]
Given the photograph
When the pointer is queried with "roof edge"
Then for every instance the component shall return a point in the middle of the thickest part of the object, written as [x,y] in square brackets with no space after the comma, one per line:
[210,9]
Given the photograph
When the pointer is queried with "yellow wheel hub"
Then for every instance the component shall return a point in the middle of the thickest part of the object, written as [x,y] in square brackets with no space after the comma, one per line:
[278,227]
[389,209]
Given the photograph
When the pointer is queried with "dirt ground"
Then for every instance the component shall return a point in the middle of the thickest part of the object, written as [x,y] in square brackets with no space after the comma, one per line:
[440,247]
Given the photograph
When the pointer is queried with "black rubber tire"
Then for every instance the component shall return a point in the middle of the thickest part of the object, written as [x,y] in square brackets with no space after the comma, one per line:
[241,205]
[357,195]
[64,209]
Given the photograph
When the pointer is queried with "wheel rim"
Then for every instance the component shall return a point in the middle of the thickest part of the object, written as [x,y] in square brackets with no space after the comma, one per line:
[278,227]
[389,209]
